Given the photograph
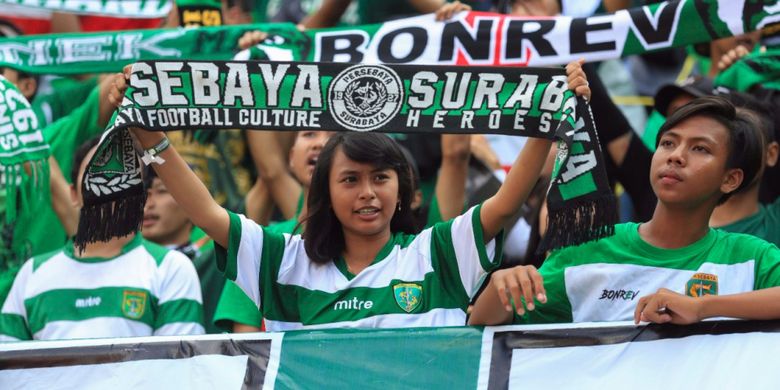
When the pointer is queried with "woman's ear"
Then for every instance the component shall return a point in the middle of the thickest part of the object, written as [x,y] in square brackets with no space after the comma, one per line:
[772,152]
[417,199]
[75,199]
[732,180]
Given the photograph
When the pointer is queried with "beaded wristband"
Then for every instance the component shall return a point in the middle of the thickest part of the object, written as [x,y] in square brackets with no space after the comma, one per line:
[151,155]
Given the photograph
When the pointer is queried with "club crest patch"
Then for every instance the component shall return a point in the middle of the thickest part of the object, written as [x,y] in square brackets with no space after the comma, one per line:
[408,296]
[702,284]
[365,97]
[134,303]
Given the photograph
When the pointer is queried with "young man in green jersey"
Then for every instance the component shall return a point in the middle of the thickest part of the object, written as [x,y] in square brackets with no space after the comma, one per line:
[673,268]
[121,288]
[743,212]
[166,224]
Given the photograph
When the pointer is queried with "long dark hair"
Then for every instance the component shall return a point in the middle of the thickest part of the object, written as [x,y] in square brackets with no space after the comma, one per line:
[324,236]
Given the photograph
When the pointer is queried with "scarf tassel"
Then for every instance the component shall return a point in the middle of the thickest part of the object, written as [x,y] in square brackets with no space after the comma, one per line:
[580,222]
[104,221]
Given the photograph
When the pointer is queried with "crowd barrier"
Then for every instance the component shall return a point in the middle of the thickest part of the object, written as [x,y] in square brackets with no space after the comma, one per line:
[709,355]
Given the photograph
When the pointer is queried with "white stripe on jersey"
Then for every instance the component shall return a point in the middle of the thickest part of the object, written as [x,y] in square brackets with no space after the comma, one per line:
[588,286]
[99,327]
[179,328]
[410,264]
[136,268]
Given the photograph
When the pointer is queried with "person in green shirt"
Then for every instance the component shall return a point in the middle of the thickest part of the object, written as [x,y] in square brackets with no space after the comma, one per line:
[673,268]
[235,311]
[166,224]
[743,212]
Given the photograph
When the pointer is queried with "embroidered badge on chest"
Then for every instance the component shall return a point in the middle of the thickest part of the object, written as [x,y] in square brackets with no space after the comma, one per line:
[133,304]
[408,296]
[702,284]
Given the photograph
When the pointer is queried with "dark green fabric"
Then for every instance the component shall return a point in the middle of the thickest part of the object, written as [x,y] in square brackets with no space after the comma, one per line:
[764,224]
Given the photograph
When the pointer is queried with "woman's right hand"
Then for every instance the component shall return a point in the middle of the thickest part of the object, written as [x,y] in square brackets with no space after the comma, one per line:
[523,281]
[251,38]
[449,10]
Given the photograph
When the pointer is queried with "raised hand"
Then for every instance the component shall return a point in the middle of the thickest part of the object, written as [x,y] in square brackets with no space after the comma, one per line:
[251,38]
[577,80]
[449,10]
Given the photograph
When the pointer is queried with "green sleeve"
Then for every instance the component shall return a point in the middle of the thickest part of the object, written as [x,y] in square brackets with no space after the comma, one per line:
[235,307]
[65,95]
[211,284]
[767,266]
[66,134]
[558,308]
[227,258]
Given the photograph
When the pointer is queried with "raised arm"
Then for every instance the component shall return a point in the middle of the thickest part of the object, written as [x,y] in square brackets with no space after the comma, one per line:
[498,210]
[521,283]
[451,183]
[190,193]
[61,200]
[270,158]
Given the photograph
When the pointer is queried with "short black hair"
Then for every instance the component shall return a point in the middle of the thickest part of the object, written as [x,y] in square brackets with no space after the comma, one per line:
[78,158]
[745,145]
[324,236]
[763,110]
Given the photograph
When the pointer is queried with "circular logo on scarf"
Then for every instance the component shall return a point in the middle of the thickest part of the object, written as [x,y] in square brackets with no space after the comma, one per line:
[365,97]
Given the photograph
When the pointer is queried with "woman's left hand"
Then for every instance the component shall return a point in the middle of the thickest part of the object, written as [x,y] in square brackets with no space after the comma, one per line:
[577,80]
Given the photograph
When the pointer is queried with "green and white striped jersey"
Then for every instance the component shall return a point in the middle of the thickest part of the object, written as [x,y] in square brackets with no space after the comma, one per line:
[418,280]
[146,290]
[603,280]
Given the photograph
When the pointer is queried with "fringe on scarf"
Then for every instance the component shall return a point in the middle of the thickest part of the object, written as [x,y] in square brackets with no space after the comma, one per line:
[580,222]
[104,221]
[24,184]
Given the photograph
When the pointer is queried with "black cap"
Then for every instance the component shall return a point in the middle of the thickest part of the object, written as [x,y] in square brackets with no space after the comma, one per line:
[696,86]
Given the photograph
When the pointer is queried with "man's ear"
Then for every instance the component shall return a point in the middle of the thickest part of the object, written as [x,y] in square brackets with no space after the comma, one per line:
[27,86]
[732,180]
[772,152]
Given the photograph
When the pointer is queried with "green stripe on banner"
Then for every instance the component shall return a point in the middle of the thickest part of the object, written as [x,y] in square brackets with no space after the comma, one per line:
[15,326]
[403,358]
[124,8]
[474,38]
[179,310]
[83,304]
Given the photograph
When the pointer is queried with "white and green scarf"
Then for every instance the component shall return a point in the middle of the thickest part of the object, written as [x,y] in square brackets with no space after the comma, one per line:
[470,38]
[24,168]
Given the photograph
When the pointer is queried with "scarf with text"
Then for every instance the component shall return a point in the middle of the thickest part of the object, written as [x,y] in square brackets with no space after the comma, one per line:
[291,96]
[474,38]
[24,168]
